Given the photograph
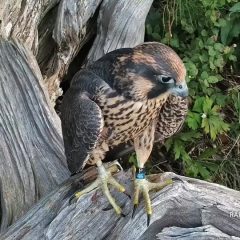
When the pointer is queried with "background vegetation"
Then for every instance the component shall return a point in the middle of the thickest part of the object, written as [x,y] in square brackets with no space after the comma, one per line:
[206,34]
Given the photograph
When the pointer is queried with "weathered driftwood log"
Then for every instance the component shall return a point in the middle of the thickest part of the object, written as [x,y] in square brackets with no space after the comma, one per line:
[20,18]
[120,24]
[72,30]
[32,161]
[191,209]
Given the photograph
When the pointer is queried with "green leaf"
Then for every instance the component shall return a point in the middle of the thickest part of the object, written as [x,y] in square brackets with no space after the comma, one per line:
[203,171]
[205,125]
[219,47]
[231,30]
[191,69]
[233,58]
[204,33]
[201,43]
[213,79]
[198,105]
[209,152]
[214,125]
[207,105]
[204,75]
[168,144]
[235,8]
[174,42]
[133,159]
[177,149]
[222,22]
[189,136]
[193,120]
[211,51]
[225,32]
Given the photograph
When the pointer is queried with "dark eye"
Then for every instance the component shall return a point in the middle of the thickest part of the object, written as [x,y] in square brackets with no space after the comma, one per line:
[165,79]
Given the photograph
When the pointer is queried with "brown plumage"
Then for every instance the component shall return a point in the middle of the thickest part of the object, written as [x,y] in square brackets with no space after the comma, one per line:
[129,94]
[129,97]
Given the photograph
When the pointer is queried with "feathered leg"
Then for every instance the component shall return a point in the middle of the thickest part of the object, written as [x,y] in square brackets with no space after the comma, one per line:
[143,147]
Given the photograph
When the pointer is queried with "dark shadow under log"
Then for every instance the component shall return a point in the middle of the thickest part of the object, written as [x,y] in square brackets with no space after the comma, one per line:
[191,209]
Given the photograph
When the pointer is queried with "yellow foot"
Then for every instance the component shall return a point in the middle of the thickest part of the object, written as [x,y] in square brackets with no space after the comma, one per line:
[104,177]
[142,185]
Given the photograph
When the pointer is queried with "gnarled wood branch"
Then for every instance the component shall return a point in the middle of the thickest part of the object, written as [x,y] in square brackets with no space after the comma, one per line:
[120,24]
[32,161]
[192,209]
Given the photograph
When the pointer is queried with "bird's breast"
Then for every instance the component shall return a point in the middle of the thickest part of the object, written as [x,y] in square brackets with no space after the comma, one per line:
[125,119]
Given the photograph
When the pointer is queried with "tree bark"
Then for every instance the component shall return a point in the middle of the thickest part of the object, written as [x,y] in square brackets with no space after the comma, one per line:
[32,161]
[191,209]
[20,19]
[120,24]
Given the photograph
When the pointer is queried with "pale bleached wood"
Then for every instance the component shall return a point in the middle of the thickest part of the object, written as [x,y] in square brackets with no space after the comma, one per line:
[206,232]
[32,161]
[121,24]
[187,204]
[20,19]
[72,30]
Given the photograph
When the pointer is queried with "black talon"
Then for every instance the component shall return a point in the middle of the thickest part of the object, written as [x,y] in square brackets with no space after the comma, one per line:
[134,210]
[72,200]
[123,215]
[107,208]
[177,179]
[128,195]
[148,219]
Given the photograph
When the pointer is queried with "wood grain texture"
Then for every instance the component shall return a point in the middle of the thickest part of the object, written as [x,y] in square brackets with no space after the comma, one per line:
[32,161]
[200,233]
[186,210]
[20,19]
[120,24]
[72,29]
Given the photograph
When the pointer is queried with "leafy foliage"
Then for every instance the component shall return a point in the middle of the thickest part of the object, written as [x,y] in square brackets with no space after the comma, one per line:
[205,34]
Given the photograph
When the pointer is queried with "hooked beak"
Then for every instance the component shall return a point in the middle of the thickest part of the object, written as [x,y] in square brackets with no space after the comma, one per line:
[180,90]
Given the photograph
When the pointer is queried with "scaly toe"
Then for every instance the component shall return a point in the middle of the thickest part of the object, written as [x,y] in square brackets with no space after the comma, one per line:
[144,186]
[104,177]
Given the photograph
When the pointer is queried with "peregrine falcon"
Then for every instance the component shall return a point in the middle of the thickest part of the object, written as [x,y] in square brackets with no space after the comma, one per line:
[128,94]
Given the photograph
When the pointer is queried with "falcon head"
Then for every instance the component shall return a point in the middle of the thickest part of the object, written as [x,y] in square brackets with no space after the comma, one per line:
[150,70]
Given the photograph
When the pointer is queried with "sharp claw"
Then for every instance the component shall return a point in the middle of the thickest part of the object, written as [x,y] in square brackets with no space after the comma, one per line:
[72,199]
[134,210]
[107,208]
[123,215]
[177,179]
[148,219]
[128,195]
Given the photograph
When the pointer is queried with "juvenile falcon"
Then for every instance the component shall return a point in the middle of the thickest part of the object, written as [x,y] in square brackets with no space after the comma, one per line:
[128,94]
